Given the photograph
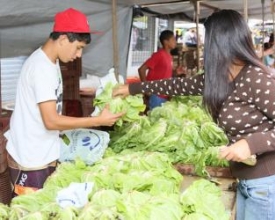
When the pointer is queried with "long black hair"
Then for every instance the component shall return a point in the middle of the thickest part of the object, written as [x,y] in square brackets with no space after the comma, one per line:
[227,41]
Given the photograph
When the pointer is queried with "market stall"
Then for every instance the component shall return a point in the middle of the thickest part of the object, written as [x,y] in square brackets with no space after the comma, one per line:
[120,185]
[162,163]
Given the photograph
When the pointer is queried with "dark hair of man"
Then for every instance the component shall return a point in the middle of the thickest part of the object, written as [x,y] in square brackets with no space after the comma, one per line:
[165,35]
[227,41]
[81,37]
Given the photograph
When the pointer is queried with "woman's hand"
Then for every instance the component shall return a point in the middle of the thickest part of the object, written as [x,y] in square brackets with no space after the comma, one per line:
[108,118]
[237,152]
[121,90]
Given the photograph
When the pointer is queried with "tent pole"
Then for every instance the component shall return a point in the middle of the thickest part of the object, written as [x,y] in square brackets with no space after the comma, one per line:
[203,4]
[115,39]
[273,18]
[163,3]
[198,34]
[245,12]
[263,27]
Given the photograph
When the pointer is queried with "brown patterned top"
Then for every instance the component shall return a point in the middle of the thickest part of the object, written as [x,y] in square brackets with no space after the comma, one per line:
[248,113]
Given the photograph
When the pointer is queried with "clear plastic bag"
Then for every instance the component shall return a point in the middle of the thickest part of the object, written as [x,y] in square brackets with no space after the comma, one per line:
[87,144]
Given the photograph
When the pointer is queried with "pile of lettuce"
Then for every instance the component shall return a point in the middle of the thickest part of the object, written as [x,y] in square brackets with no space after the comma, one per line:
[181,128]
[138,186]
[132,106]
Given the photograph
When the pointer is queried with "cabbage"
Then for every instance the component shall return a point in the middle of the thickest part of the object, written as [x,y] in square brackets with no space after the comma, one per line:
[180,128]
[4,211]
[209,205]
[138,186]
[131,105]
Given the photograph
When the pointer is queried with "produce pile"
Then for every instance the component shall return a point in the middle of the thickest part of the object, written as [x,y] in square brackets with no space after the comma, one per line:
[180,128]
[131,105]
[136,186]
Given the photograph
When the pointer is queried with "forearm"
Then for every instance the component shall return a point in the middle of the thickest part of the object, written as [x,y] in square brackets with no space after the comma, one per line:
[61,122]
[142,76]
[171,87]
[261,142]
[142,72]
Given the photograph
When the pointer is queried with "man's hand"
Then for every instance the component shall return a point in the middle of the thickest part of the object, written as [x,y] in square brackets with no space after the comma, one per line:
[237,152]
[107,118]
[121,90]
[87,91]
[180,71]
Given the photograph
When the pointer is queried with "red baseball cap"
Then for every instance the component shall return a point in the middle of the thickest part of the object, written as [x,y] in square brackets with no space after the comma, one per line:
[71,20]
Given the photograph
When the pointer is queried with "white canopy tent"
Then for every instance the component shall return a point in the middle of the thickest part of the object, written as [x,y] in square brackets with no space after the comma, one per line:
[26,24]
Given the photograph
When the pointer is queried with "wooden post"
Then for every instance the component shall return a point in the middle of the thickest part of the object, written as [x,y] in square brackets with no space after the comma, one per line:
[198,33]
[273,18]
[263,27]
[115,39]
[245,10]
[0,78]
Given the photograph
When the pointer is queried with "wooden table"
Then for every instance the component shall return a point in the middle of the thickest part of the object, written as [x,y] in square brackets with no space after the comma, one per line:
[218,174]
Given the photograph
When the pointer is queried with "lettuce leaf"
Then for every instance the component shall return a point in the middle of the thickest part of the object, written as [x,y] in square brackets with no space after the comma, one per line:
[131,105]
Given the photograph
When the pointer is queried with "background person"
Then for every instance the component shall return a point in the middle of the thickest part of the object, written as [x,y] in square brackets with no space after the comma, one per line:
[268,55]
[159,66]
[190,38]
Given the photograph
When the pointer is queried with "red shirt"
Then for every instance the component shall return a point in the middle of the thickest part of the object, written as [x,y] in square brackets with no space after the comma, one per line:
[160,66]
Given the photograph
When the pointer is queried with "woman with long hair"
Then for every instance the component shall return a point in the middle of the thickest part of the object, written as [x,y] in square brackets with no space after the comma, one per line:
[239,93]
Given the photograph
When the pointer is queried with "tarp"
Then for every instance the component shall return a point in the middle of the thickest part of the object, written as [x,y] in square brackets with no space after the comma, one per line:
[185,9]
[26,24]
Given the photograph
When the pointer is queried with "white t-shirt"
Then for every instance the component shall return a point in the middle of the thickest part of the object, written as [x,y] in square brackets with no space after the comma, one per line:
[29,142]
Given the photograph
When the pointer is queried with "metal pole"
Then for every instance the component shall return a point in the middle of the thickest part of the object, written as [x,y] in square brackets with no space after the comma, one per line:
[0,78]
[273,19]
[263,27]
[115,39]
[198,34]
[245,12]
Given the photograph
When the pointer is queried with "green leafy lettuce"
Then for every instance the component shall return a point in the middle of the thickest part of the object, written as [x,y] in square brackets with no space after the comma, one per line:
[181,128]
[131,105]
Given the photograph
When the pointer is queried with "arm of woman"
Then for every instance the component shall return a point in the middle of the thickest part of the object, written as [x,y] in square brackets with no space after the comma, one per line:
[263,96]
[171,87]
[259,90]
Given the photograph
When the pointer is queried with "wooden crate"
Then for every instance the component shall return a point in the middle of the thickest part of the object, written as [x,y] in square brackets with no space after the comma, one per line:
[220,175]
[189,169]
[87,104]
[228,196]
[4,126]
[3,153]
[5,183]
[71,73]
[5,187]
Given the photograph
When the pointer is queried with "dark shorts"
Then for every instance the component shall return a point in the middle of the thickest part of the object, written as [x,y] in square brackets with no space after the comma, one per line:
[28,180]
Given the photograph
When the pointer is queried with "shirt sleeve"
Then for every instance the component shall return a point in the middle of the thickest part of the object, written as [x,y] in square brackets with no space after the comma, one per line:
[152,61]
[261,93]
[171,87]
[44,83]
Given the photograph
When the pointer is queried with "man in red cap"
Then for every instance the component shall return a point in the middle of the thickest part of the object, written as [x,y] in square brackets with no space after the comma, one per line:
[33,139]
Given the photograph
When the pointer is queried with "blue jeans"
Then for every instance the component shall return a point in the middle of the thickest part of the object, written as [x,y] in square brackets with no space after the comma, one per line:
[256,199]
[155,101]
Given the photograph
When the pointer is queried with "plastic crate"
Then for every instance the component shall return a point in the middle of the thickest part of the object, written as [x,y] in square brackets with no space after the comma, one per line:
[5,183]
[3,153]
[5,187]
